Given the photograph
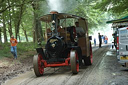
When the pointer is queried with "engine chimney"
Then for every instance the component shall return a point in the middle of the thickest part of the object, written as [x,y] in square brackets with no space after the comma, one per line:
[54,22]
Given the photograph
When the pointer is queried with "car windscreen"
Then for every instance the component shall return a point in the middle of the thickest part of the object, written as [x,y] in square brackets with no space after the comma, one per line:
[123,36]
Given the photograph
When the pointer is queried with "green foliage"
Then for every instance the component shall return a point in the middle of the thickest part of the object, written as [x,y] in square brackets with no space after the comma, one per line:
[5,50]
[116,7]
[95,17]
[23,47]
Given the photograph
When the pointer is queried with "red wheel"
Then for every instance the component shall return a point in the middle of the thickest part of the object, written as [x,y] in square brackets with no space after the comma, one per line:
[74,61]
[38,65]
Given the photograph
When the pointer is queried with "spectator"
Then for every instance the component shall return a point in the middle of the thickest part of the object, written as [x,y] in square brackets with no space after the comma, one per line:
[13,42]
[100,40]
[106,39]
[94,41]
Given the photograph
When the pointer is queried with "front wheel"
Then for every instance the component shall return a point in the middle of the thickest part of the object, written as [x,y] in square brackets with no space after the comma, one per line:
[74,61]
[38,65]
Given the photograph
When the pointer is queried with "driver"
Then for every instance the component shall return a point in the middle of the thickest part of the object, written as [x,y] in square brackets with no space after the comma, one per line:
[80,33]
[79,30]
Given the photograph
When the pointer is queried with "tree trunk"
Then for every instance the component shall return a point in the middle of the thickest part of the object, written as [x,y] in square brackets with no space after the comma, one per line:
[10,28]
[25,33]
[10,21]
[19,20]
[34,37]
[38,35]
[40,30]
[18,23]
[0,35]
[4,29]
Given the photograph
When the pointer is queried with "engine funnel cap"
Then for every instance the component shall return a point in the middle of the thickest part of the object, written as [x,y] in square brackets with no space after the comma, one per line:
[53,12]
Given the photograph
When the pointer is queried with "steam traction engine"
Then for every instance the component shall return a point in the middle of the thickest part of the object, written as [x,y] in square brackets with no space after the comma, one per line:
[63,47]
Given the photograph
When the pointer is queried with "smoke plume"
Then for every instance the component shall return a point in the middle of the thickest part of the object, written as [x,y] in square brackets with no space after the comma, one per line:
[55,5]
[62,5]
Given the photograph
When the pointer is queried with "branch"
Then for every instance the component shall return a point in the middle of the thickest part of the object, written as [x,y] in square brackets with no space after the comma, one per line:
[1,11]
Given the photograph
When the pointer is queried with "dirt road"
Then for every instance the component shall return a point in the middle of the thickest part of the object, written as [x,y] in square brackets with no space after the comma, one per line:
[104,71]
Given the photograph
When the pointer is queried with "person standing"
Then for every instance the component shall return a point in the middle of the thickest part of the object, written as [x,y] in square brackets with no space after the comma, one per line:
[100,40]
[79,30]
[80,33]
[13,42]
[106,39]
[94,41]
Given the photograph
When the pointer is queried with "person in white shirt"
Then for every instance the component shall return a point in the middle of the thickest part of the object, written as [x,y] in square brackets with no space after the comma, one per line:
[79,30]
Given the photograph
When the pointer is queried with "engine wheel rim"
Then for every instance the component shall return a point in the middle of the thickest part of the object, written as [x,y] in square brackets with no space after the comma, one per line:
[38,68]
[74,62]
[77,63]
[40,64]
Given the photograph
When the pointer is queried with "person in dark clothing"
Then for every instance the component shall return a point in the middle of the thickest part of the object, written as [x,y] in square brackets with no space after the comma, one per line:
[100,40]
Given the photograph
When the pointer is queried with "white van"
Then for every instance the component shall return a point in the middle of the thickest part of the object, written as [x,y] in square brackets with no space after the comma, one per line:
[122,46]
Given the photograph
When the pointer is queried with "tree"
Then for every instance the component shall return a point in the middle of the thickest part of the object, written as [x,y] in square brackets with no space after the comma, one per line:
[10,20]
[25,32]
[95,17]
[0,35]
[18,19]
[4,29]
[114,7]
[37,29]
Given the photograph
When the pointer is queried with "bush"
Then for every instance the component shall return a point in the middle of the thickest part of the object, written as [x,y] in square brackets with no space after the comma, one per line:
[25,46]
[5,50]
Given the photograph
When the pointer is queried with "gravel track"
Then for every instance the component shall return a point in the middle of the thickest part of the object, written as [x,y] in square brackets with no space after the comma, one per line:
[105,70]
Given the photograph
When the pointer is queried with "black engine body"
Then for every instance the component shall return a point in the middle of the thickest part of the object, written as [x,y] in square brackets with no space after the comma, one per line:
[55,45]
[56,49]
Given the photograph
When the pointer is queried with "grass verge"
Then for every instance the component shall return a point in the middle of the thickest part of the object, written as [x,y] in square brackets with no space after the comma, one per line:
[23,48]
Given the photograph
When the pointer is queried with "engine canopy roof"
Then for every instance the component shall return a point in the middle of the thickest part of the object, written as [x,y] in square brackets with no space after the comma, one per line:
[47,18]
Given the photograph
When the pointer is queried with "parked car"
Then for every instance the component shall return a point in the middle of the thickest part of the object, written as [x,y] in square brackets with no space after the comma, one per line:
[120,35]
